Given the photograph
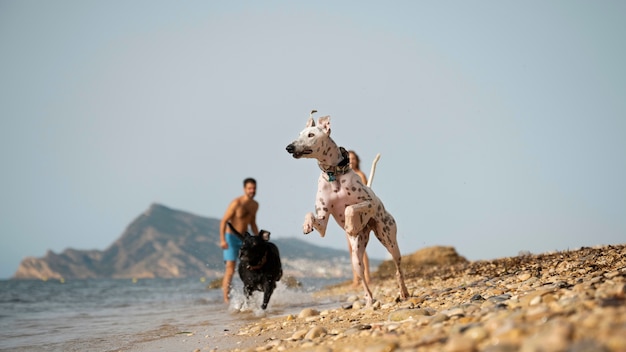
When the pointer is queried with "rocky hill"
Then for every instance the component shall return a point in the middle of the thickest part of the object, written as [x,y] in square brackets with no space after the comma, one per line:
[164,242]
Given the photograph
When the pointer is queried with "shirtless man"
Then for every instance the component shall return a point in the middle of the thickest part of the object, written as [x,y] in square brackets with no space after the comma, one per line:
[241,213]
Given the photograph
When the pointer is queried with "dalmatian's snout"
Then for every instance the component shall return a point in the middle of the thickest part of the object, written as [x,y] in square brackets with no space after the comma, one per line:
[298,152]
[291,149]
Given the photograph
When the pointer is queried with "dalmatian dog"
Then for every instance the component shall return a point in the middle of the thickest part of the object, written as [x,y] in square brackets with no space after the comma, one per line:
[342,195]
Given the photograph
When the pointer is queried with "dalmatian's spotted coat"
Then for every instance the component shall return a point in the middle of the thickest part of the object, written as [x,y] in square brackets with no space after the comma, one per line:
[342,195]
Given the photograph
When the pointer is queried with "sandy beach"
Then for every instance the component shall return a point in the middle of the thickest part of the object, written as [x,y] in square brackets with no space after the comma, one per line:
[559,301]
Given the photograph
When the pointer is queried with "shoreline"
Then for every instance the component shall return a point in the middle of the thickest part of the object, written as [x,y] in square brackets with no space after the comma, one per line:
[560,301]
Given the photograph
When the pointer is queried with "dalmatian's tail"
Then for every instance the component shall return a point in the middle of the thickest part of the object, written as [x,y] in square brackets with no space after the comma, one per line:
[371,178]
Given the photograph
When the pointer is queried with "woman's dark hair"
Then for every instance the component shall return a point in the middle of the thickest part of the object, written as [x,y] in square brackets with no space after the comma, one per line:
[356,156]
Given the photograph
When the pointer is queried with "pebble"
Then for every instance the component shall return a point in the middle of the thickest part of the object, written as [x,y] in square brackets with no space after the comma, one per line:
[308,312]
[299,335]
[460,344]
[454,312]
[381,347]
[439,318]
[477,297]
[476,333]
[404,314]
[315,332]
[560,301]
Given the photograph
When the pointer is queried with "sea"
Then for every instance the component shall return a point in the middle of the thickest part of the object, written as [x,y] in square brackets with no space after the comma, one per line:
[115,314]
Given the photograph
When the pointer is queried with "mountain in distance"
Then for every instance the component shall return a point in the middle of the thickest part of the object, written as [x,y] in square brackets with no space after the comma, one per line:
[169,243]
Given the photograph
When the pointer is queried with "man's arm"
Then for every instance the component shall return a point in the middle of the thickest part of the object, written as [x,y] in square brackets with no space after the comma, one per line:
[255,229]
[230,212]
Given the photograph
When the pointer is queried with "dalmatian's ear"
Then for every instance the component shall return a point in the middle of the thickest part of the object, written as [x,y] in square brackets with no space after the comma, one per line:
[324,124]
[311,122]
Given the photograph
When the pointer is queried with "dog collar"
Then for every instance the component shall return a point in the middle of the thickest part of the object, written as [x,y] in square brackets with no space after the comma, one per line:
[260,265]
[337,170]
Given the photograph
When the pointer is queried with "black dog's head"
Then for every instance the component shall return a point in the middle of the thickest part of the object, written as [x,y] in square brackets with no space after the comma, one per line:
[253,248]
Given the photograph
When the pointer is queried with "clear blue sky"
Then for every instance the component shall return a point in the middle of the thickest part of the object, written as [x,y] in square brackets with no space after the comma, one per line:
[501,124]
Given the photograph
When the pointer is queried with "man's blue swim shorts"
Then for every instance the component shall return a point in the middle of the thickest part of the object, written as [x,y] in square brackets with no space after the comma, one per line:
[234,244]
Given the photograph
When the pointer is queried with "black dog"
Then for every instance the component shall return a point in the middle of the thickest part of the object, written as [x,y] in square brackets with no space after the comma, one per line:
[259,264]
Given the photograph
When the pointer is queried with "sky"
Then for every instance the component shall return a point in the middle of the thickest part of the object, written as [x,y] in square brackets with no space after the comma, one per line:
[501,124]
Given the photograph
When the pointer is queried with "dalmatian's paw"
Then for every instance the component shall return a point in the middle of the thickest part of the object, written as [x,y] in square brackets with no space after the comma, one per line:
[307,227]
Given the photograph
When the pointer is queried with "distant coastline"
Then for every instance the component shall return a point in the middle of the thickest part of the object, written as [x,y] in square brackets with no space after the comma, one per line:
[167,243]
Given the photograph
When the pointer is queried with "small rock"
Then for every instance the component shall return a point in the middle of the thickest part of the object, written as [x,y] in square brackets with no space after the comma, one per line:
[537,312]
[356,305]
[499,298]
[381,347]
[351,331]
[392,327]
[215,284]
[460,344]
[308,312]
[535,300]
[439,318]
[334,332]
[612,274]
[416,300]
[299,335]
[291,282]
[315,332]
[403,314]
[476,333]
[454,312]
[477,297]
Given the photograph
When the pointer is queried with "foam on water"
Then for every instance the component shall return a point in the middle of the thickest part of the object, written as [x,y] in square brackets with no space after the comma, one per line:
[284,300]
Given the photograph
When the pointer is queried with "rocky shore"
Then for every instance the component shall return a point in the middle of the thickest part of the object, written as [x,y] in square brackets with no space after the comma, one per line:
[561,301]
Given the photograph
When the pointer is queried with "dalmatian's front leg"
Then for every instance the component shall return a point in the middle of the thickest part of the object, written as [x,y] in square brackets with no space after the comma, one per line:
[317,222]
[311,222]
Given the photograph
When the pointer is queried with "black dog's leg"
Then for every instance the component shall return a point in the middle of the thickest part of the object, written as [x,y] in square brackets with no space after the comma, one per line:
[248,291]
[267,293]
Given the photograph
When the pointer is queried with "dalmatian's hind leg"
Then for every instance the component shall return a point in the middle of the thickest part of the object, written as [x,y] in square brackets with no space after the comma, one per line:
[386,231]
[357,216]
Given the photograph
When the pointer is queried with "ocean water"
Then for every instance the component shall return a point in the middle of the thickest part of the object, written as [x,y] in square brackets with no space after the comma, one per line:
[110,315]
